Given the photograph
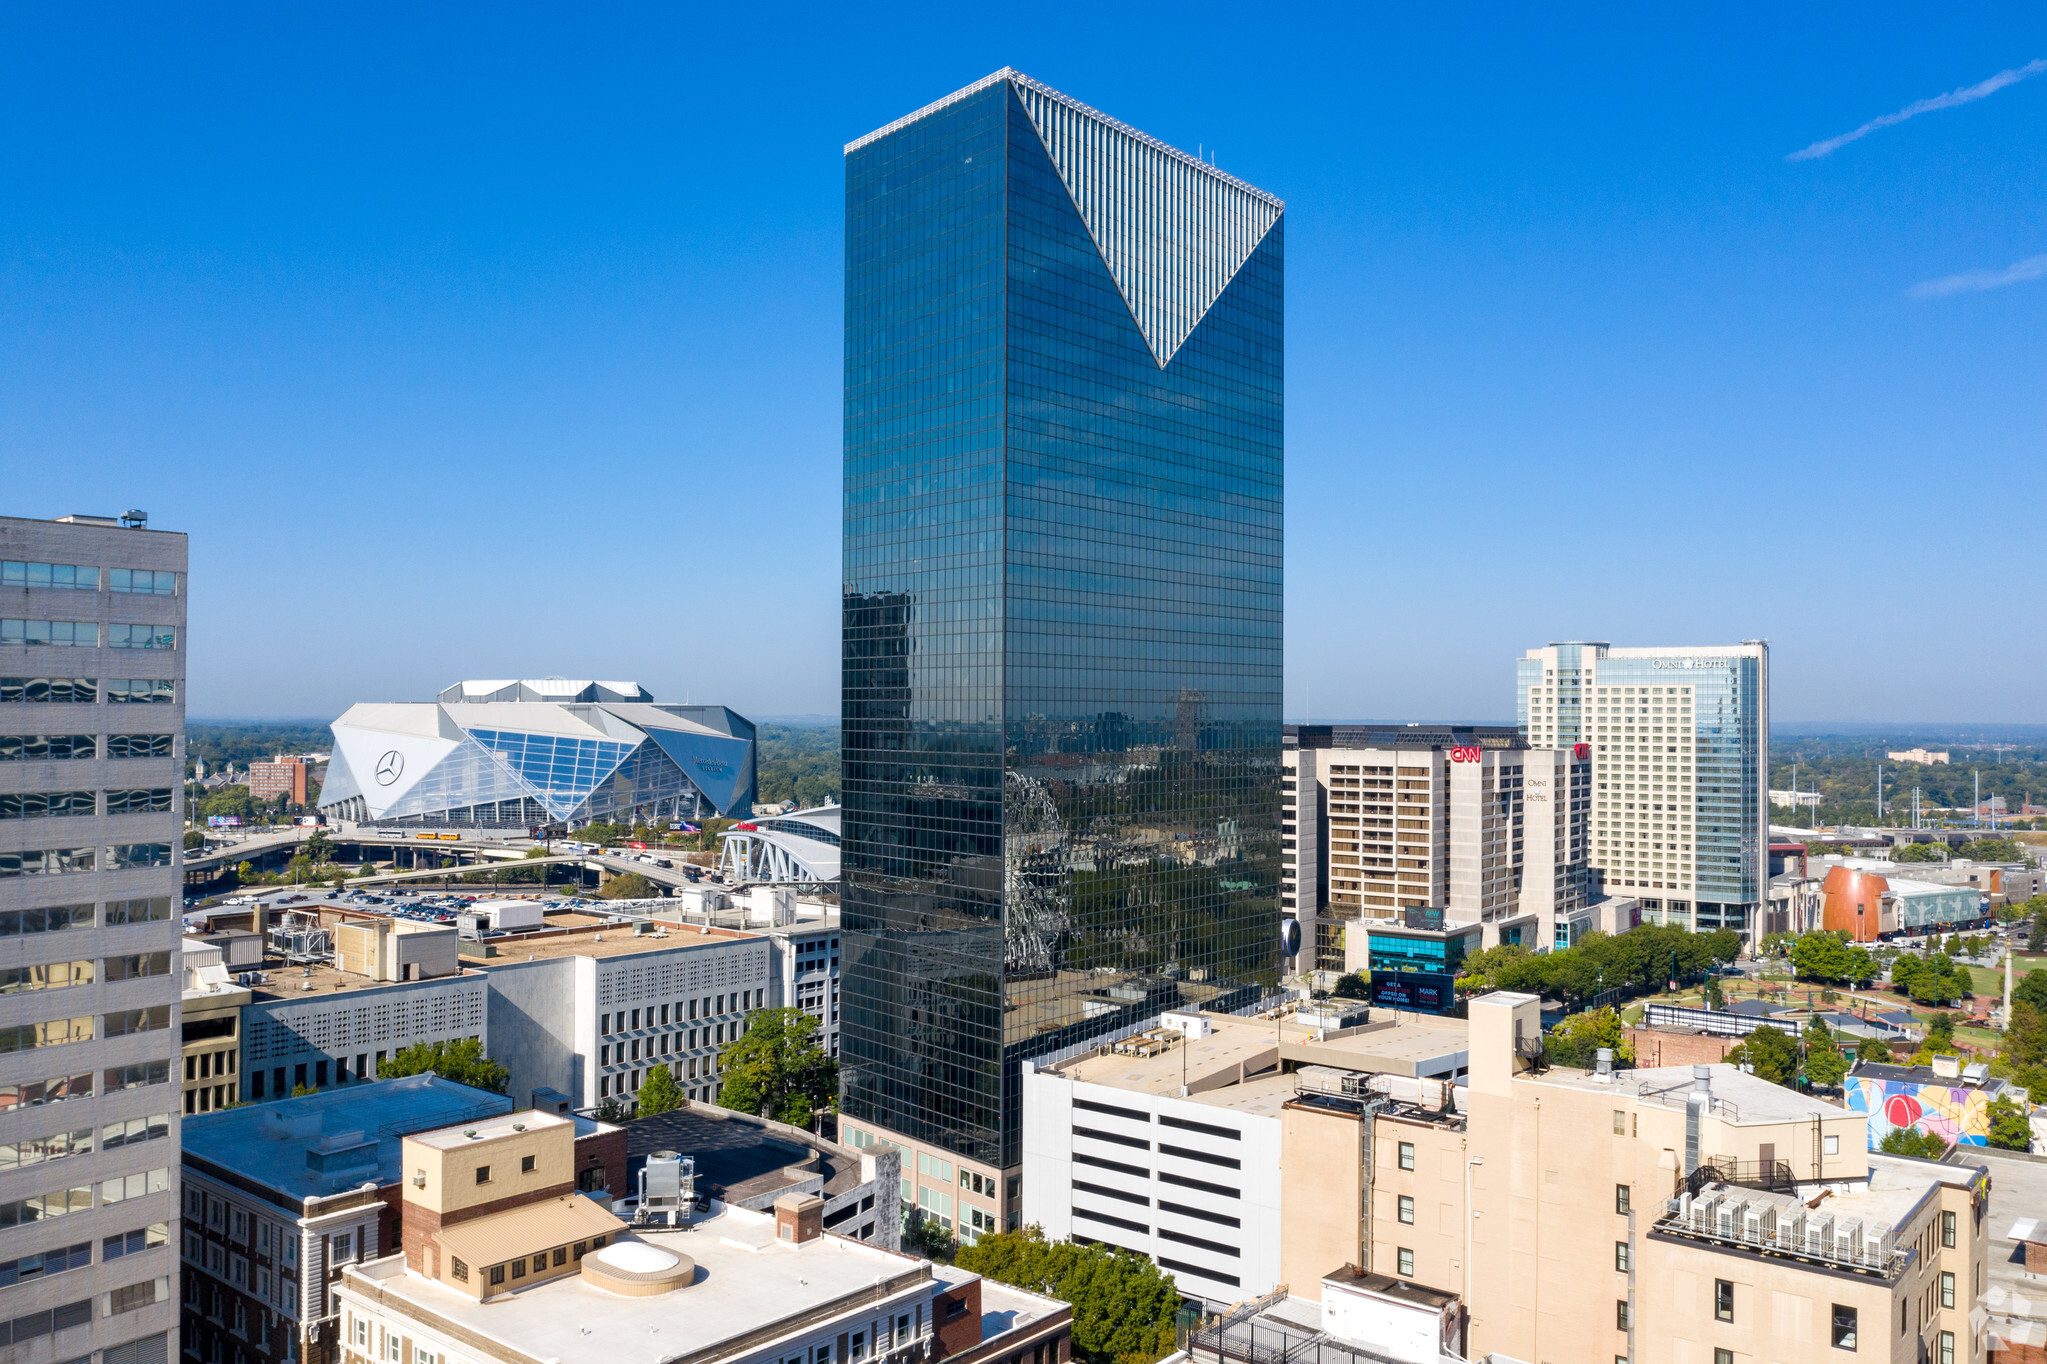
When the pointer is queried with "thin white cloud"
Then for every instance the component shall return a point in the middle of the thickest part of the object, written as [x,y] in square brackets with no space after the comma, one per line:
[1968,94]
[1976,281]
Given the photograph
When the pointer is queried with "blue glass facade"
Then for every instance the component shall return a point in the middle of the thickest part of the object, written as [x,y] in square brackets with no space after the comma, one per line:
[1062,628]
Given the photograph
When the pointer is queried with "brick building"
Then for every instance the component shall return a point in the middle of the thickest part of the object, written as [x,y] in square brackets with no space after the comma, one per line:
[281,1198]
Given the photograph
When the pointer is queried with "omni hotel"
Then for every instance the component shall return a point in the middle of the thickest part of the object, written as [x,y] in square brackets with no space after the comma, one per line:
[1680,743]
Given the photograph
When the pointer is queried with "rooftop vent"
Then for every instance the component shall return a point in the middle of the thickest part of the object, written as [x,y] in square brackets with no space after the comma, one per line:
[135,520]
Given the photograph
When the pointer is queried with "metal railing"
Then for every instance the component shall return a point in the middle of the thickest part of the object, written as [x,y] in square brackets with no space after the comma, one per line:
[1772,1175]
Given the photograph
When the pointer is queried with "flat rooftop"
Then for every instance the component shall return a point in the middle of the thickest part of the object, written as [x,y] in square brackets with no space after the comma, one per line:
[278,1144]
[1239,1048]
[607,940]
[483,1129]
[747,1281]
[736,1161]
[290,980]
[1751,1098]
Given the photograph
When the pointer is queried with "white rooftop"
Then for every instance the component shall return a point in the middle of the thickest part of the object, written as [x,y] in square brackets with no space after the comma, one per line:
[746,1280]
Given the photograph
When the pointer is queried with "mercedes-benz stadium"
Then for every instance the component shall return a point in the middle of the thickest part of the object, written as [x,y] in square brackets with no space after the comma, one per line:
[521,754]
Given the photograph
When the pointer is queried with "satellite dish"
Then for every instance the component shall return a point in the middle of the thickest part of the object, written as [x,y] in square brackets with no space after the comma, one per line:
[1290,937]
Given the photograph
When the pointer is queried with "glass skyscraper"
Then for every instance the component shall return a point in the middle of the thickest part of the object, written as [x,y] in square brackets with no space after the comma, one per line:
[1062,611]
[1679,739]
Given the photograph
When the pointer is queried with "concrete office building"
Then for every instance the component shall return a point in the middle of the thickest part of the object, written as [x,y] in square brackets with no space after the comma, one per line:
[803,933]
[1678,1214]
[502,1265]
[587,1013]
[1680,741]
[315,1024]
[210,1028]
[1168,1142]
[92,707]
[281,1198]
[1467,819]
[1062,606]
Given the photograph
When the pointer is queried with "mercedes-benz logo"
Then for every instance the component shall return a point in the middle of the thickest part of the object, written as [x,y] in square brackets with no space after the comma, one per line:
[389,767]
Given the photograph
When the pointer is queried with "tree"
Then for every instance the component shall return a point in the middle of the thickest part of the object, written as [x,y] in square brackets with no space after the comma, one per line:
[194,839]
[1577,1039]
[1769,1053]
[1872,1049]
[1825,1067]
[1356,985]
[462,1061]
[1123,1305]
[777,1069]
[2025,1035]
[1716,998]
[1912,1141]
[1823,957]
[658,1092]
[923,1235]
[2011,1128]
[627,886]
[1920,852]
[1724,944]
[1940,1032]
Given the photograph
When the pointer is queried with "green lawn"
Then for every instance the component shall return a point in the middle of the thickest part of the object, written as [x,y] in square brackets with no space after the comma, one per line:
[1989,980]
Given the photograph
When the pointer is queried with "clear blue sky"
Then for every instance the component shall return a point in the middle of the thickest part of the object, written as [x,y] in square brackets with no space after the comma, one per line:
[505,341]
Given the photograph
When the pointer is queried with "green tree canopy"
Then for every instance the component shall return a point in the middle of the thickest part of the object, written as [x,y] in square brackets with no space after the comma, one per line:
[627,886]
[1825,1066]
[462,1061]
[1768,1052]
[1871,1049]
[1920,852]
[1356,985]
[1912,1141]
[1576,1040]
[777,1068]
[658,1091]
[1829,959]
[1123,1305]
[2011,1128]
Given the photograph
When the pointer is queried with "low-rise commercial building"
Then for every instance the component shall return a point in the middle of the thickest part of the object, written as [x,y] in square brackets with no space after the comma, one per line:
[587,1012]
[1672,1214]
[1867,903]
[281,1198]
[500,1266]
[211,1029]
[1168,1142]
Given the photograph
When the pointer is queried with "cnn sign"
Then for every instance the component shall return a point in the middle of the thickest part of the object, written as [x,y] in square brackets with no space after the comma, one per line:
[1581,750]
[1465,754]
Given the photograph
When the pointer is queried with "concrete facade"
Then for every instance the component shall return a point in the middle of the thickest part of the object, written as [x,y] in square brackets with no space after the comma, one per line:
[1466,819]
[92,723]
[591,1012]
[1546,1201]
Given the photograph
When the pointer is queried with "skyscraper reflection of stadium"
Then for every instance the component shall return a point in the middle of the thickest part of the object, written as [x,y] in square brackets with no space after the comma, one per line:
[548,752]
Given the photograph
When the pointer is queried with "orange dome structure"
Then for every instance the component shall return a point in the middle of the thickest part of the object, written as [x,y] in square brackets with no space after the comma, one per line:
[1852,903]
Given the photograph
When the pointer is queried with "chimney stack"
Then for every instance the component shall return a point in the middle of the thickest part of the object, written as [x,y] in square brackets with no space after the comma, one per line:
[799,1218]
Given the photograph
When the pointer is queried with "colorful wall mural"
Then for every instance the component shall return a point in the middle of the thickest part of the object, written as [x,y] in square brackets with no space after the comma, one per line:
[1956,1114]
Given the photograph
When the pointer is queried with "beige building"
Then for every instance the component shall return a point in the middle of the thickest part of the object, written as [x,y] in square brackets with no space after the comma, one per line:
[1694,1215]
[211,1029]
[502,1261]
[1376,819]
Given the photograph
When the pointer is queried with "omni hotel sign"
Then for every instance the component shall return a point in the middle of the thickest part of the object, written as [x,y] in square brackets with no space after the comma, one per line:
[1691,662]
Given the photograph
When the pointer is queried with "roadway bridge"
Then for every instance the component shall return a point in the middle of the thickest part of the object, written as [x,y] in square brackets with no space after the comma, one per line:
[442,858]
